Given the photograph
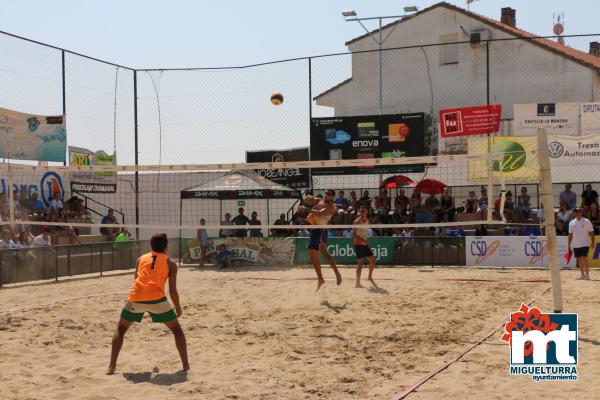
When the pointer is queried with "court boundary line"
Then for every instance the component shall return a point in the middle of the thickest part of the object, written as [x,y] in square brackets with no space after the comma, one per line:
[406,392]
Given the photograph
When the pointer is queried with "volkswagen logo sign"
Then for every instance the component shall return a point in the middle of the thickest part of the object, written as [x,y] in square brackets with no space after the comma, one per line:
[555,149]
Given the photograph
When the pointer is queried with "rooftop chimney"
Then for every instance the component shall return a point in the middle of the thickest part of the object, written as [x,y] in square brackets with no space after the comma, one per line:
[595,49]
[509,17]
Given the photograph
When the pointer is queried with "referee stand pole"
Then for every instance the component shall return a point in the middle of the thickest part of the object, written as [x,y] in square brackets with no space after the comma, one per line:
[548,203]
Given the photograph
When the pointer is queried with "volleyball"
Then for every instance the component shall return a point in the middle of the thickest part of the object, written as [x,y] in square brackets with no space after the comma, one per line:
[277,98]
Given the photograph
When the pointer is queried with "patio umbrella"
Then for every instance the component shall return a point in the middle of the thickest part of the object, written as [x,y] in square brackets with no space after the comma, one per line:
[430,186]
[395,182]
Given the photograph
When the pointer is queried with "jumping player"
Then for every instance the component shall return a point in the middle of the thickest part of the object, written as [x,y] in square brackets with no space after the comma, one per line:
[320,214]
[148,295]
[361,246]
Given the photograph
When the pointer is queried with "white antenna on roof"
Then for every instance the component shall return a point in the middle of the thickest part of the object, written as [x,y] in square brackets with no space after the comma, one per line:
[469,4]
[559,28]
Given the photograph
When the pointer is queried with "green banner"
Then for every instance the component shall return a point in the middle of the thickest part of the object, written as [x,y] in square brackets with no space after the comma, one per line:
[342,250]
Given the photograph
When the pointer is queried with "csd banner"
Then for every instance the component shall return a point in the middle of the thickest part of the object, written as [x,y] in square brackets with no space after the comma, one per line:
[520,162]
[556,118]
[513,251]
[574,150]
[32,137]
[261,251]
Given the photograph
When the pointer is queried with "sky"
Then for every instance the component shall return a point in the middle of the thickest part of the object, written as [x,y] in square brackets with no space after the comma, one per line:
[175,33]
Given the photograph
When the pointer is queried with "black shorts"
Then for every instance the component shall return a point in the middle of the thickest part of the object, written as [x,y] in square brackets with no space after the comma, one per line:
[317,237]
[362,251]
[581,251]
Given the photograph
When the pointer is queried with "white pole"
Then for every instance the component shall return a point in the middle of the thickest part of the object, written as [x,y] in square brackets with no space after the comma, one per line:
[548,203]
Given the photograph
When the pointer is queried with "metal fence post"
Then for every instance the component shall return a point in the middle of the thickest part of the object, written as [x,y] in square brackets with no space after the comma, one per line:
[91,258]
[69,260]
[55,262]
[1,261]
[101,260]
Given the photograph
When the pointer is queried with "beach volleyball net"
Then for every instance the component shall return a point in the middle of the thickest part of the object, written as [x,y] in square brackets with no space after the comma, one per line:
[443,193]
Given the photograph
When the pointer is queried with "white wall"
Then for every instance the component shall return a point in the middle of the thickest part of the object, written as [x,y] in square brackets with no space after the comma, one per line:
[520,72]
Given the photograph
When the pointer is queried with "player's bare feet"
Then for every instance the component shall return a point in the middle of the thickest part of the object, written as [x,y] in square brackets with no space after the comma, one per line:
[338,277]
[358,285]
[319,284]
[372,282]
[110,371]
[186,367]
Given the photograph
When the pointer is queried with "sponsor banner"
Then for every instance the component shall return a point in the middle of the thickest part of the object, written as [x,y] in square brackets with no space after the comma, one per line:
[81,157]
[574,150]
[262,251]
[590,118]
[44,184]
[239,194]
[521,251]
[365,137]
[291,177]
[556,118]
[93,187]
[476,120]
[342,250]
[520,162]
[32,137]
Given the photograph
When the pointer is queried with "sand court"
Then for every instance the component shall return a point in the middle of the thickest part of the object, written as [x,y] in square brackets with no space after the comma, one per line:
[265,334]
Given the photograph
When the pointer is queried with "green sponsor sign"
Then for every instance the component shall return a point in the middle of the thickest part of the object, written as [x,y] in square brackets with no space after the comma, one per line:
[342,250]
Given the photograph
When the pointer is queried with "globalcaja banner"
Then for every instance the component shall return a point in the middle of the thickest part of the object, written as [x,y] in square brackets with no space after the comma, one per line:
[292,177]
[520,163]
[260,251]
[32,137]
[590,118]
[365,137]
[91,182]
[478,120]
[574,150]
[342,250]
[556,118]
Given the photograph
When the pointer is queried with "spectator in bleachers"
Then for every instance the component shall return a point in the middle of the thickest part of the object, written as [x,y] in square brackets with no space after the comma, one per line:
[470,203]
[401,203]
[280,232]
[415,204]
[255,221]
[593,214]
[565,214]
[109,218]
[562,229]
[568,197]
[523,205]
[383,200]
[341,201]
[65,231]
[481,230]
[509,206]
[7,240]
[24,201]
[25,239]
[240,220]
[365,200]
[56,204]
[43,239]
[589,196]
[482,203]
[226,221]
[432,204]
[447,208]
[37,206]
[353,202]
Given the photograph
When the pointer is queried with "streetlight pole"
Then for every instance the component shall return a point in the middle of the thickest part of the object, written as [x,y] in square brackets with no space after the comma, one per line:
[379,41]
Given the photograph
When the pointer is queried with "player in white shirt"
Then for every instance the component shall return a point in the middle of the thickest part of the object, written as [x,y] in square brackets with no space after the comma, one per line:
[581,233]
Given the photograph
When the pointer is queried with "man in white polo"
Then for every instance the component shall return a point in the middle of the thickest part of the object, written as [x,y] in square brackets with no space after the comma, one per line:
[581,233]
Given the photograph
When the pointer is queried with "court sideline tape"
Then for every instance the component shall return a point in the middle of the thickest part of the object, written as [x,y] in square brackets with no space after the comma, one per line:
[433,373]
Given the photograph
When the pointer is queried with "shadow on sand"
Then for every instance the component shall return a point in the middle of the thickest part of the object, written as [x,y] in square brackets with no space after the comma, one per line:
[156,379]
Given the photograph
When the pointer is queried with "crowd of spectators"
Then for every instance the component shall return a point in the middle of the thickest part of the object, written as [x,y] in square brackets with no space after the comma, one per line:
[28,207]
[430,208]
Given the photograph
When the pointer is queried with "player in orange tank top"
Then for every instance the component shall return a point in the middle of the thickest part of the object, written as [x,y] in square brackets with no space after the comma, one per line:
[148,295]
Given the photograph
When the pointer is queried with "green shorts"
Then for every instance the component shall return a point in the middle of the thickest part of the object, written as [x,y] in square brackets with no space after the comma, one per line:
[160,311]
